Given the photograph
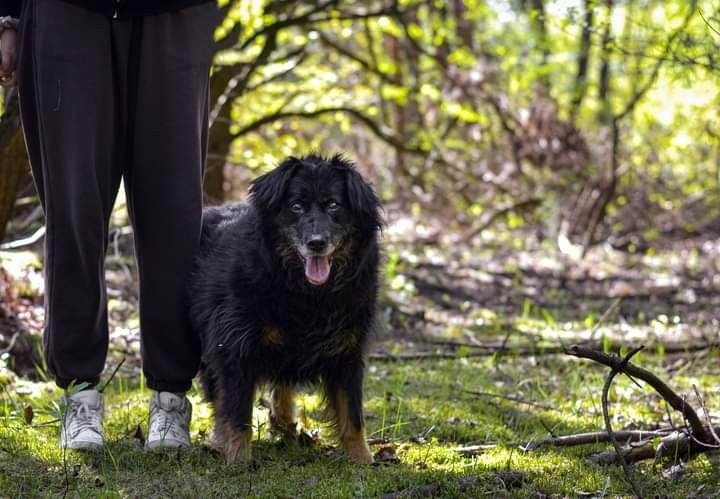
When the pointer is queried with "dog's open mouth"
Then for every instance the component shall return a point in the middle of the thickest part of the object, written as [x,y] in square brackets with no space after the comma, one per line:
[317,268]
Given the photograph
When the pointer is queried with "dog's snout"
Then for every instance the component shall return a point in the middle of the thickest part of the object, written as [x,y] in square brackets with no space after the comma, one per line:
[317,243]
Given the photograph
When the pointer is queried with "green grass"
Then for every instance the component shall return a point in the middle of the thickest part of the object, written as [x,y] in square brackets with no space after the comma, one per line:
[422,408]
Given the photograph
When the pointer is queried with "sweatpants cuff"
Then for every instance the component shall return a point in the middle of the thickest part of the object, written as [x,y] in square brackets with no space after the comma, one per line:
[64,383]
[168,386]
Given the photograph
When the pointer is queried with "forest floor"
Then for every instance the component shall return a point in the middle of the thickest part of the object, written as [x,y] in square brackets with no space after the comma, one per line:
[466,370]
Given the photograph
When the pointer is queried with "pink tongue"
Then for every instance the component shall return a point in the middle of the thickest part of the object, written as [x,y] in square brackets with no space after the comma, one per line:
[317,269]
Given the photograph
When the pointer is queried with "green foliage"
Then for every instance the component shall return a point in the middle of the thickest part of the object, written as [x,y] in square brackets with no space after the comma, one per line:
[437,95]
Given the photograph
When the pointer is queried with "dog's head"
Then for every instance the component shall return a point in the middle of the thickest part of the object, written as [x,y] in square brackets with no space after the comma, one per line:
[319,207]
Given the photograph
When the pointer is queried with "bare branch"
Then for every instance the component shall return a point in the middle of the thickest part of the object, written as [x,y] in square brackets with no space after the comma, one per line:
[672,398]
[377,129]
[355,57]
[617,369]
[707,23]
[489,217]
[594,437]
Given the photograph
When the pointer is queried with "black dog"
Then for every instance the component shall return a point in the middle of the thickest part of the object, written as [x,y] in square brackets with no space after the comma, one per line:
[284,292]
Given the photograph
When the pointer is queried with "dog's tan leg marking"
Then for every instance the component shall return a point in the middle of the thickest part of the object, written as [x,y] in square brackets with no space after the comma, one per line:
[352,439]
[282,409]
[235,444]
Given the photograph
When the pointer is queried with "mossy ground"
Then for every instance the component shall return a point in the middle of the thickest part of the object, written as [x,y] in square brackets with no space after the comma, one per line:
[424,409]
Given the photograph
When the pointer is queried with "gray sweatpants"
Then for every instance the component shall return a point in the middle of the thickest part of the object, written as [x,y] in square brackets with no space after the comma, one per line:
[101,100]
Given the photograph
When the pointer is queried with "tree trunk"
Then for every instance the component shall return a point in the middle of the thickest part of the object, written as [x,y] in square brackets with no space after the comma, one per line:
[580,87]
[13,159]
[219,140]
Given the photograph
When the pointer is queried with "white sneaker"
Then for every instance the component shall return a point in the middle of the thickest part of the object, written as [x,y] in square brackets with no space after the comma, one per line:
[81,427]
[169,422]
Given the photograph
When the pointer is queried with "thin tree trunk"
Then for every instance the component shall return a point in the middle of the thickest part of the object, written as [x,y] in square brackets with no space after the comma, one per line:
[583,59]
[219,141]
[604,77]
[13,159]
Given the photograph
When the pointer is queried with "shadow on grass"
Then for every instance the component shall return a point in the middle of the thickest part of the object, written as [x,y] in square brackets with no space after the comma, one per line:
[278,470]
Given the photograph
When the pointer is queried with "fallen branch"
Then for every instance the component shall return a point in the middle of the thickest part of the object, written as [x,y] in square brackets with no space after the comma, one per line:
[608,425]
[489,349]
[677,445]
[674,443]
[594,437]
[489,217]
[673,399]
[474,450]
[510,398]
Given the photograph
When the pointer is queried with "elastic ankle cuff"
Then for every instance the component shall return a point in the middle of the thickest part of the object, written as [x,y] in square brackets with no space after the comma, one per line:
[179,387]
[65,383]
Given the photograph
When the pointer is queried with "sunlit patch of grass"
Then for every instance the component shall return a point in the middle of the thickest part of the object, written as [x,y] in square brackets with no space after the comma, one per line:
[426,410]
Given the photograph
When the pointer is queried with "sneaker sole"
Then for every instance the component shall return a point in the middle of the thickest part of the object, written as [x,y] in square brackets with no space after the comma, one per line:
[85,446]
[166,445]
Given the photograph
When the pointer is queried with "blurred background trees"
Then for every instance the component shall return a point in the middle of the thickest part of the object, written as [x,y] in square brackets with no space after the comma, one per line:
[590,120]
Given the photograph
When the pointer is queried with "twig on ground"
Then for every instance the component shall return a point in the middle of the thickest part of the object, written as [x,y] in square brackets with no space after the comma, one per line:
[594,437]
[474,450]
[510,398]
[619,368]
[707,415]
[485,350]
[642,451]
[672,398]
[684,442]
[52,422]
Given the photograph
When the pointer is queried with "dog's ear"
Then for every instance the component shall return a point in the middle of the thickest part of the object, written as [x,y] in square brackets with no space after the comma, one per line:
[267,191]
[363,202]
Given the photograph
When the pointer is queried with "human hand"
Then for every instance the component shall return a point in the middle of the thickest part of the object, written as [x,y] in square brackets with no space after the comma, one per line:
[8,44]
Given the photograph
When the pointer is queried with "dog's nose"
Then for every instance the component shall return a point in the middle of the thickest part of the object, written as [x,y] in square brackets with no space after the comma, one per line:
[317,243]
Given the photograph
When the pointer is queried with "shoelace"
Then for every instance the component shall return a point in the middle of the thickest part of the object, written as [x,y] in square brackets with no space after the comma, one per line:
[168,421]
[80,417]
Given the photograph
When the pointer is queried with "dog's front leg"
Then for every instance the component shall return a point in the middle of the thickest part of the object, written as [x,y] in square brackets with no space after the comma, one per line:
[345,398]
[282,410]
[233,417]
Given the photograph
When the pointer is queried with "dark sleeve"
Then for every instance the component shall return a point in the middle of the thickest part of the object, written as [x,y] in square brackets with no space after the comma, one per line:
[10,8]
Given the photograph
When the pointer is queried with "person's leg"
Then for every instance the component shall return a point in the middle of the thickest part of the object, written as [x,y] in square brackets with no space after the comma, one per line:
[68,111]
[168,105]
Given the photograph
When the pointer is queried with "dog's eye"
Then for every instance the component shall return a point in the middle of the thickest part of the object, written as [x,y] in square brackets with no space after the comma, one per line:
[296,208]
[332,206]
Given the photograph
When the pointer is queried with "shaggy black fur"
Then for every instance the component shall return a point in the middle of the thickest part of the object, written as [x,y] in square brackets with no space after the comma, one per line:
[260,308]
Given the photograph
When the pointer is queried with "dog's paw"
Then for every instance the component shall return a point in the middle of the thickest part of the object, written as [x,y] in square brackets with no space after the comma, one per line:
[358,452]
[361,457]
[237,447]
[238,455]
